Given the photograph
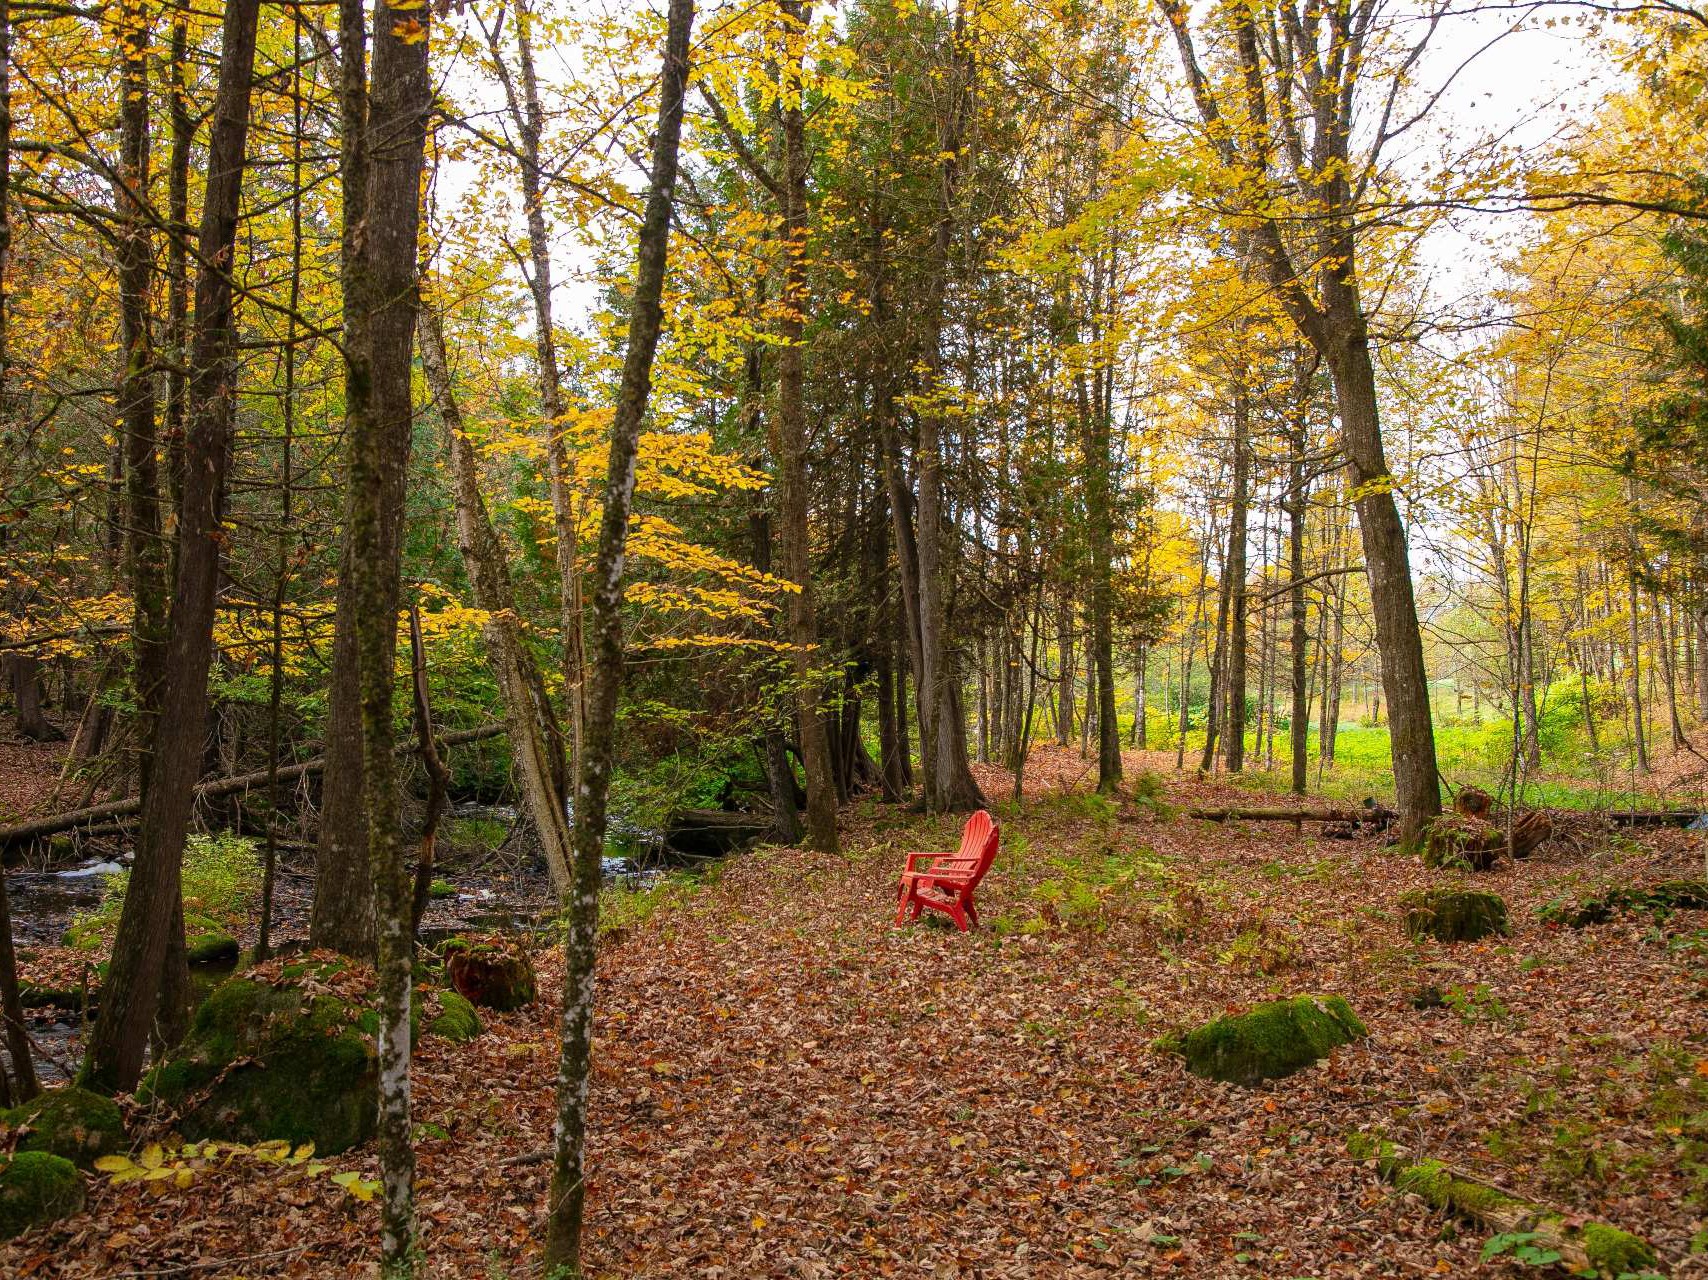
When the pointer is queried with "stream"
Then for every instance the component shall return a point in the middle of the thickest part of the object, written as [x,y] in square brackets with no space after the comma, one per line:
[492,893]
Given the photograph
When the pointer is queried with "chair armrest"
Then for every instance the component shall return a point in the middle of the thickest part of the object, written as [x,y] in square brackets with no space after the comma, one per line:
[912,856]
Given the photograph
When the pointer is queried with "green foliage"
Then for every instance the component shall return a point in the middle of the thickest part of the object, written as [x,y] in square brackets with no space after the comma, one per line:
[1520,1246]
[1476,1004]
[1261,947]
[623,909]
[160,1166]
[222,891]
[475,833]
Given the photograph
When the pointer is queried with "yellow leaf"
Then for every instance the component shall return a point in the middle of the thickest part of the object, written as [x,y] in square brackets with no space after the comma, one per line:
[113,1164]
[152,1156]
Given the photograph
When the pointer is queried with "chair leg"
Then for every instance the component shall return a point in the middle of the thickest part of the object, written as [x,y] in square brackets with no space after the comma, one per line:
[972,912]
[901,902]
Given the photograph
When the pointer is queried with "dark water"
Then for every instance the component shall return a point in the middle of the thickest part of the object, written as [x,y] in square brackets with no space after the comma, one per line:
[44,902]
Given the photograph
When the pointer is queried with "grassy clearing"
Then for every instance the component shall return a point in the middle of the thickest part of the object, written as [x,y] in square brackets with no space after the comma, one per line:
[1468,754]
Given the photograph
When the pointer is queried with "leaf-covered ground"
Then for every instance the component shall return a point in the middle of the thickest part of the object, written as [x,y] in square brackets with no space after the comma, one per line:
[788,1086]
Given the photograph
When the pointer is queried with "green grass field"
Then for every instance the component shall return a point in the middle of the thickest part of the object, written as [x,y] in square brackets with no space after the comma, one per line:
[1571,776]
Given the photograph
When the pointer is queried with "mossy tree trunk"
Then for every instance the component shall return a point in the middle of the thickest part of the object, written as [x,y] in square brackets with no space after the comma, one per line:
[1586,1247]
[568,1184]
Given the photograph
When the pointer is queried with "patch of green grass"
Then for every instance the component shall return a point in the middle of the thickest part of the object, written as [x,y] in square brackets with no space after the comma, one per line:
[623,909]
[1468,752]
[482,834]
[221,882]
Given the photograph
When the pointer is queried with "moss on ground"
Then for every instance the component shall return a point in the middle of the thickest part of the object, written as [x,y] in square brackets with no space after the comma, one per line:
[455,1019]
[1662,898]
[1272,1040]
[1610,1252]
[71,1123]
[37,1187]
[1613,1252]
[1454,915]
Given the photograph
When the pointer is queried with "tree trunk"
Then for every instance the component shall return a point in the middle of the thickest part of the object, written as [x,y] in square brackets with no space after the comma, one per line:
[529,118]
[536,742]
[792,449]
[1064,668]
[387,293]
[779,773]
[1233,687]
[1399,640]
[1633,675]
[1299,715]
[1218,674]
[342,917]
[568,1185]
[153,909]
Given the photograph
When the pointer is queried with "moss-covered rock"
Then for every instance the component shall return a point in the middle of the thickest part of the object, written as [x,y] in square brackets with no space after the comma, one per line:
[72,1123]
[494,973]
[451,1016]
[441,889]
[214,949]
[289,1058]
[1454,915]
[38,995]
[36,1188]
[1273,1040]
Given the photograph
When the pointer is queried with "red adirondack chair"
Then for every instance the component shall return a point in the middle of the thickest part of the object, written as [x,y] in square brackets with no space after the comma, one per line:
[945,881]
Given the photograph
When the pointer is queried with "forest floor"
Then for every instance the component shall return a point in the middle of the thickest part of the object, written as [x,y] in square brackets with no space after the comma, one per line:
[789,1086]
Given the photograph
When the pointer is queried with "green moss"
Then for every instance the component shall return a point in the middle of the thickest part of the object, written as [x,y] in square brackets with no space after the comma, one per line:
[83,934]
[1613,1252]
[215,948]
[1272,1040]
[1662,898]
[33,995]
[264,1061]
[1454,915]
[441,889]
[36,1188]
[455,1020]
[72,1123]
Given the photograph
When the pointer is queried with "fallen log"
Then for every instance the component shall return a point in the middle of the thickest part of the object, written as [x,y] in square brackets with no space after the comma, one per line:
[1592,1248]
[1372,816]
[1653,817]
[712,833]
[36,828]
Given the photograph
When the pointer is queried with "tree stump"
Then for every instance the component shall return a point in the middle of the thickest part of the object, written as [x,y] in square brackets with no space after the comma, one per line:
[1454,915]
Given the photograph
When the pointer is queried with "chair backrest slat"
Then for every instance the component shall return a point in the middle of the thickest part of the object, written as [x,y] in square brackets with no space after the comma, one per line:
[983,829]
[974,834]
